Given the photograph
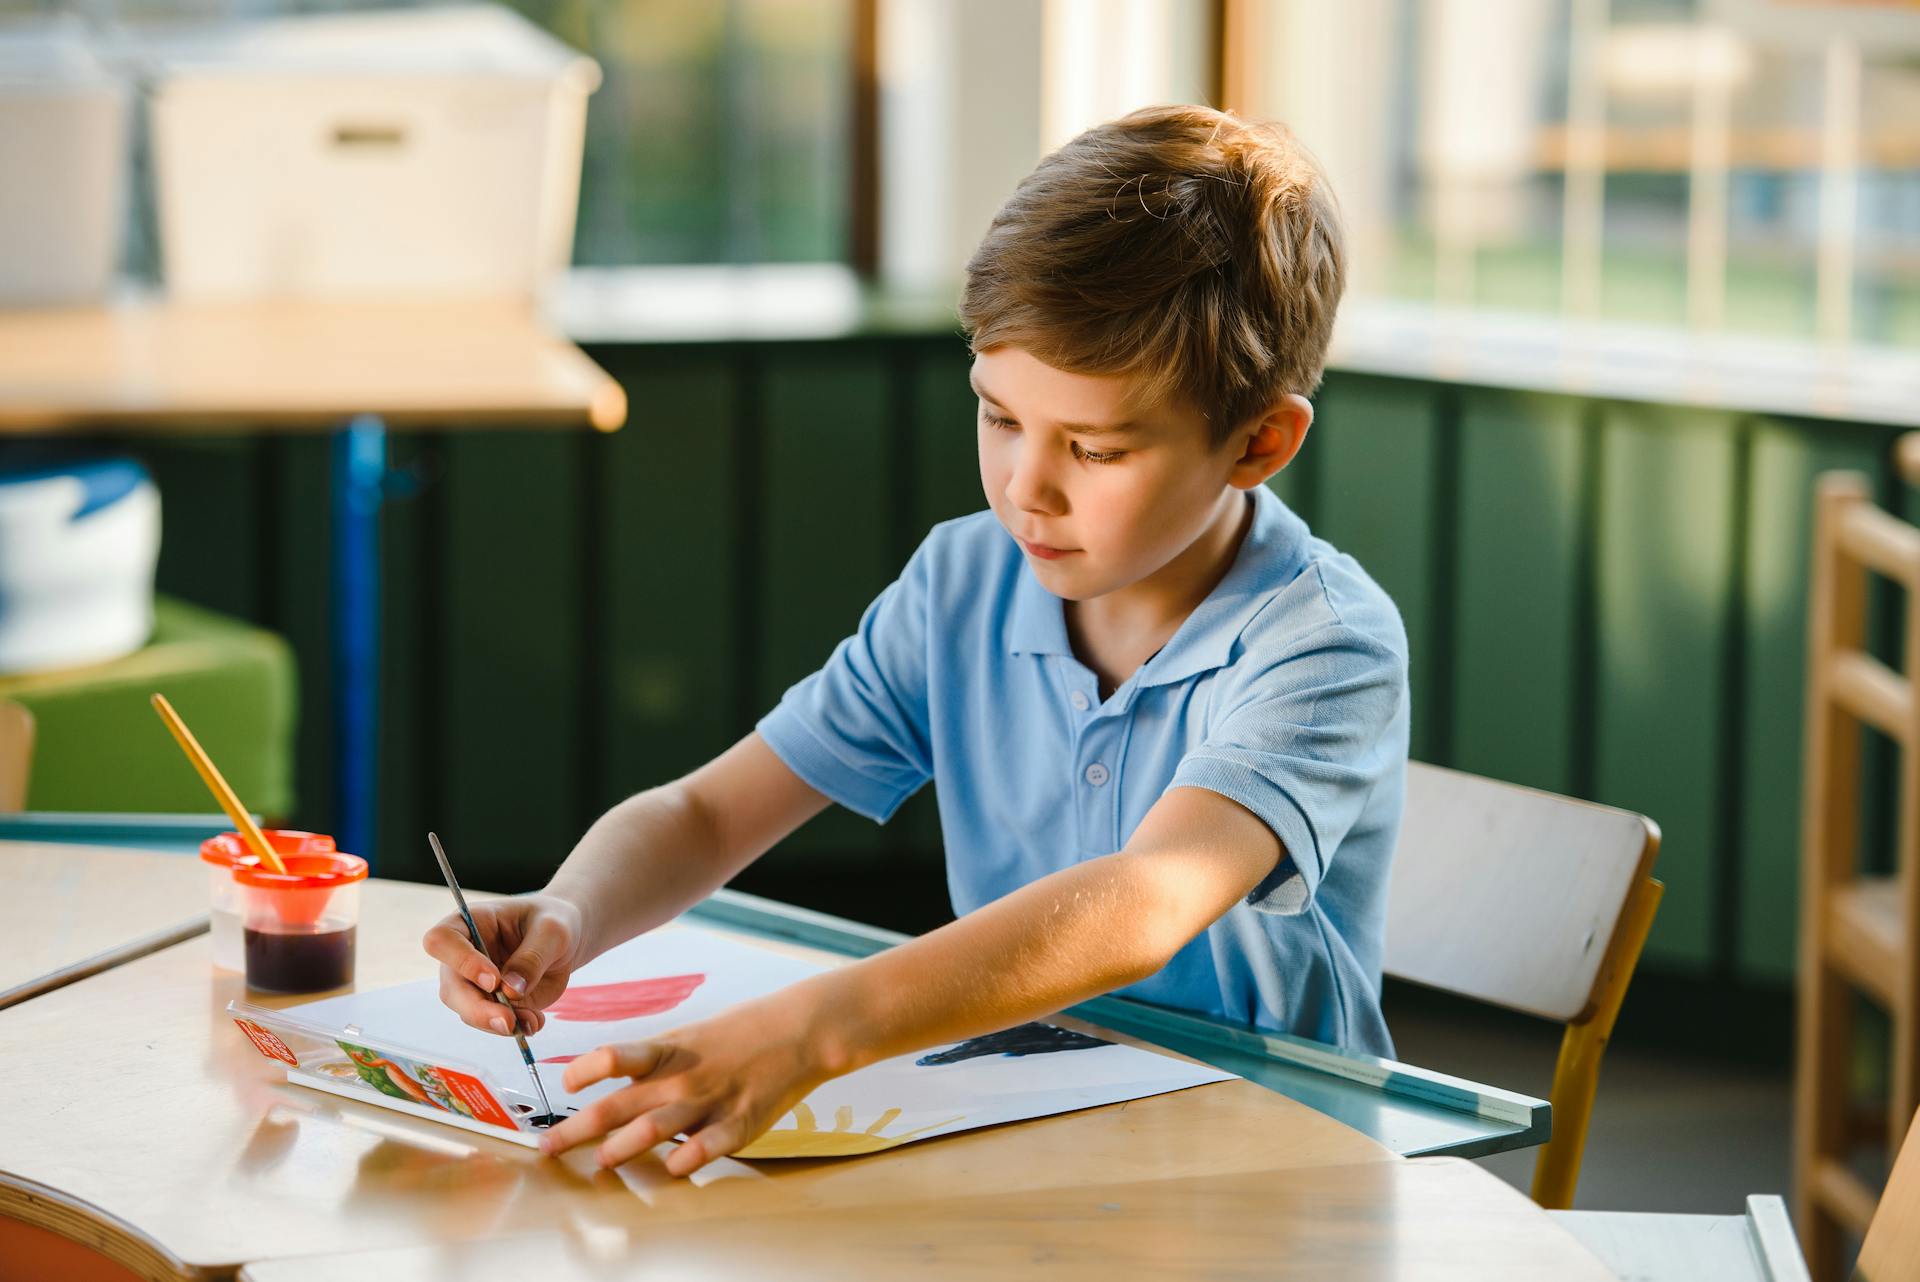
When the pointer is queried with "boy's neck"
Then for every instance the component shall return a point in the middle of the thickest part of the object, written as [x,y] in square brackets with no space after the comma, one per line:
[1115,633]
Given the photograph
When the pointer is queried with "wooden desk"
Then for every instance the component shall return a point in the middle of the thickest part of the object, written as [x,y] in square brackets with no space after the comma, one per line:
[173,1147]
[78,910]
[1435,1218]
[147,365]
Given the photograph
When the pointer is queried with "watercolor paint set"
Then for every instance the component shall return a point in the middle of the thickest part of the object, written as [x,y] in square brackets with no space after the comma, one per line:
[346,1062]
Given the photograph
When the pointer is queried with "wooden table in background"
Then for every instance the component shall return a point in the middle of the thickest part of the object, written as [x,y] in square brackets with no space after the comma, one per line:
[170,1145]
[353,368]
[73,911]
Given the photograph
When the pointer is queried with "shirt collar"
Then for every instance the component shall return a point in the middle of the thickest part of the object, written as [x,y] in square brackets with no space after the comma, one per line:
[1270,556]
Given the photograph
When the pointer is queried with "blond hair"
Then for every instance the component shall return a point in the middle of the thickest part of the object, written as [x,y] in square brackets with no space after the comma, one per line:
[1182,245]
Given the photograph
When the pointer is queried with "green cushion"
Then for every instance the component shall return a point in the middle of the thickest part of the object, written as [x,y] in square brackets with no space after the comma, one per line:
[99,745]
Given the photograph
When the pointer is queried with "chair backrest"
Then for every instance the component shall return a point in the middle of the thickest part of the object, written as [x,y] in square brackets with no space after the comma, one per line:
[1510,895]
[1891,1252]
[16,755]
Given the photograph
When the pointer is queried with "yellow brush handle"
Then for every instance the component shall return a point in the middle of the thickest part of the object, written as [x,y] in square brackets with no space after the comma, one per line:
[210,774]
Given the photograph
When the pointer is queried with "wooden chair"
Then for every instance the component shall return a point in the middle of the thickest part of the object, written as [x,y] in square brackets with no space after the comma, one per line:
[1891,1252]
[16,754]
[1857,933]
[1533,902]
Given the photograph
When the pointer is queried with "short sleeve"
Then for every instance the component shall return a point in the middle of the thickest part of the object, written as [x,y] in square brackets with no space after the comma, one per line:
[856,730]
[1303,743]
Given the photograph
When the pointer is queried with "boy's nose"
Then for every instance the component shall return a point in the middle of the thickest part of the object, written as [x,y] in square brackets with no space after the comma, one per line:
[1030,488]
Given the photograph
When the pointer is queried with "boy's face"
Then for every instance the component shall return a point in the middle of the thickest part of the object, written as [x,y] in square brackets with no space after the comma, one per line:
[1096,510]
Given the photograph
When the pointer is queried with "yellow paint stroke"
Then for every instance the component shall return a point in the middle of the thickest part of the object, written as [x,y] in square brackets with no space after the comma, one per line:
[806,1139]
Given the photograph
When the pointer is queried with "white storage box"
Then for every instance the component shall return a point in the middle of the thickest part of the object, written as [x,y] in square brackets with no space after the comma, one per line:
[63,165]
[399,153]
[78,544]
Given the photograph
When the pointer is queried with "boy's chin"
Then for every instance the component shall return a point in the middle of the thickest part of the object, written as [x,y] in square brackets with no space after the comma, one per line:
[1067,583]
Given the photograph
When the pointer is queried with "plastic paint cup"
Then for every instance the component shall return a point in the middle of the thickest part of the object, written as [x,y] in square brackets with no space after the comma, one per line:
[297,927]
[224,853]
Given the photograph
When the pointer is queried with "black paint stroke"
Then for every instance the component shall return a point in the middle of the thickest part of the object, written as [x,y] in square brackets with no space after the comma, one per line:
[1027,1039]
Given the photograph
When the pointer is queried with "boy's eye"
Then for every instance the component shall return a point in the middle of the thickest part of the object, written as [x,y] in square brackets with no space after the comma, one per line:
[994,420]
[1096,456]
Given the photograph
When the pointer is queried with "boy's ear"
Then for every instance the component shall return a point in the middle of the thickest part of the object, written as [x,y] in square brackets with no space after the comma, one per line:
[1274,440]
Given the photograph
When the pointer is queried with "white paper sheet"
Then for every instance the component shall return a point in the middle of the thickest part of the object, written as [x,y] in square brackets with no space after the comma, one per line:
[680,974]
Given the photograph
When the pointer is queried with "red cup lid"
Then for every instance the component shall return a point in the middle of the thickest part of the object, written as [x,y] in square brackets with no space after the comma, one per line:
[229,849]
[304,871]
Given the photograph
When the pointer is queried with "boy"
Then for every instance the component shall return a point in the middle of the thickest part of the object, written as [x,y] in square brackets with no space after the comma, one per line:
[1168,725]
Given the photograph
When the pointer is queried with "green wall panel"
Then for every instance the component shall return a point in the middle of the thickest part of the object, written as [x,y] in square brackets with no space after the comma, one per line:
[946,448]
[946,485]
[1378,446]
[1787,457]
[508,655]
[827,549]
[409,796]
[210,502]
[1517,577]
[1664,559]
[674,645]
[299,529]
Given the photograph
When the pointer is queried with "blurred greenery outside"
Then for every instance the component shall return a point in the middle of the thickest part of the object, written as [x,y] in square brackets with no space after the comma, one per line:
[721,135]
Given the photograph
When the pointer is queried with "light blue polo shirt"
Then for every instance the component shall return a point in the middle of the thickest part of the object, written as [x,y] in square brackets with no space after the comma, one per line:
[1286,690]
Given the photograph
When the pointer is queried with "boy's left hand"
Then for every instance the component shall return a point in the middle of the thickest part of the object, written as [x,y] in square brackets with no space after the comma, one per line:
[721,1081]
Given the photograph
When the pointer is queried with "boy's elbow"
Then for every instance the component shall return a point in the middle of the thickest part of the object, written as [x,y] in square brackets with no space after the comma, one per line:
[1178,905]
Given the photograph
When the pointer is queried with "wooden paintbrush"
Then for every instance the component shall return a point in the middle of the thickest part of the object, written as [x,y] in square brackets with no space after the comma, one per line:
[210,775]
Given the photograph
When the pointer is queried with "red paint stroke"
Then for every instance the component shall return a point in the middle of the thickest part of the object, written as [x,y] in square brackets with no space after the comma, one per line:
[599,1003]
[559,1059]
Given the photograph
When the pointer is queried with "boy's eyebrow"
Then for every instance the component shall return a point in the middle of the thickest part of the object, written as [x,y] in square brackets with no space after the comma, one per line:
[1078,429]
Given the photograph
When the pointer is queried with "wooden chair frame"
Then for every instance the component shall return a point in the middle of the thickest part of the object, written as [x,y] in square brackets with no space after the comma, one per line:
[1576,1073]
[16,755]
[1619,907]
[1856,933]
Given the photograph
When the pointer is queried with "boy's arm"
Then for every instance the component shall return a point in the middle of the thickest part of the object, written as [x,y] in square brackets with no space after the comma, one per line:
[1079,932]
[660,852]
[642,863]
[1072,935]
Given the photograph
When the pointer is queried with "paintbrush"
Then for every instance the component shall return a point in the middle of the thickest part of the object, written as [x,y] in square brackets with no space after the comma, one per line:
[513,1016]
[250,833]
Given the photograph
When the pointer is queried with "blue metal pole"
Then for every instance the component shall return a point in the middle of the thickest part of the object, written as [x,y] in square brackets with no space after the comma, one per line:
[359,476]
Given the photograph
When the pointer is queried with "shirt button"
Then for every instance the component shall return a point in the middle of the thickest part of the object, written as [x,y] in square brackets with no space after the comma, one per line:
[1096,774]
[1079,700]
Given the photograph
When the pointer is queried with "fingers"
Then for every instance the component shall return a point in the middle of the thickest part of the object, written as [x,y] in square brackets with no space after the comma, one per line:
[475,1008]
[547,941]
[627,1059]
[448,944]
[643,1132]
[703,1146]
[603,1115]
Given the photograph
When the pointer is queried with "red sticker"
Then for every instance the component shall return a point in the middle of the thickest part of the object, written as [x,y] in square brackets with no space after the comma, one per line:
[475,1098]
[270,1046]
[599,1003]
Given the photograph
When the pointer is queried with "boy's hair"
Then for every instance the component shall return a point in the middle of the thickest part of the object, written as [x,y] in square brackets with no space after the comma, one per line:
[1181,245]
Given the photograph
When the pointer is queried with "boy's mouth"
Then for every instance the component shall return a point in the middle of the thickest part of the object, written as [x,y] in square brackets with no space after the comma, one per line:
[1044,552]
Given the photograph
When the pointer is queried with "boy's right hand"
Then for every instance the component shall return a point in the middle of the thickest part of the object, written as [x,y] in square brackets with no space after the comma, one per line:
[541,937]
